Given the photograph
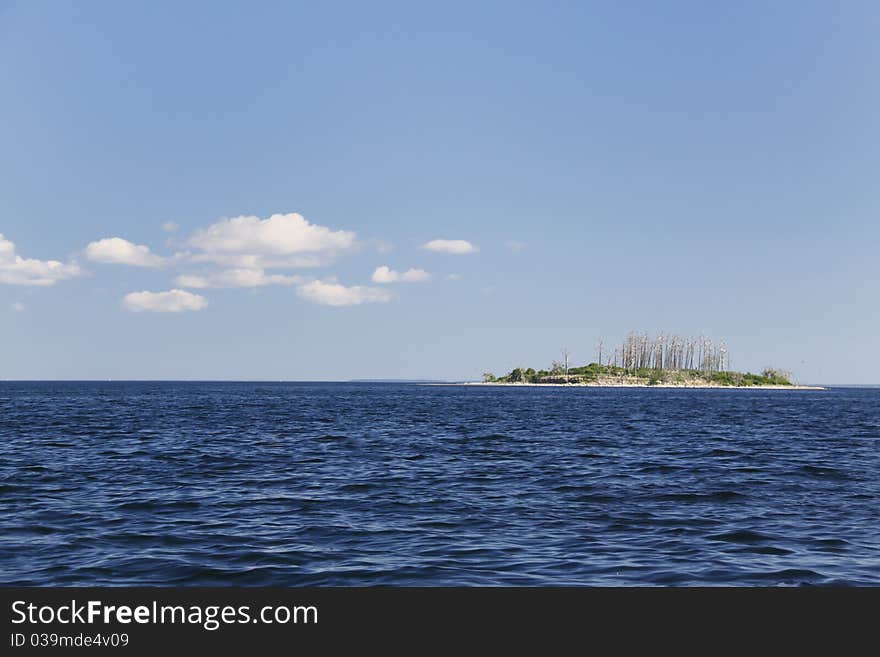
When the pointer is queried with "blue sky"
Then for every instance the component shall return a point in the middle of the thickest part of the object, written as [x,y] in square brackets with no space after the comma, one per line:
[674,166]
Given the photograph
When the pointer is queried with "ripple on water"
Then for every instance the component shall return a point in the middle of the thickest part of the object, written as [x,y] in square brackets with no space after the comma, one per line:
[740,536]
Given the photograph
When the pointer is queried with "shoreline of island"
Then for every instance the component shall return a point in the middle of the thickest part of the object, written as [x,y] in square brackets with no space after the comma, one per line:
[596,384]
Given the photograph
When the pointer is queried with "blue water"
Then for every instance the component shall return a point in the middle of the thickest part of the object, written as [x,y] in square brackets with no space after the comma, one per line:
[360,484]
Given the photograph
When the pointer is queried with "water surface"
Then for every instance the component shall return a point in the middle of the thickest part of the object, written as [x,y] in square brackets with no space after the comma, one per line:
[362,484]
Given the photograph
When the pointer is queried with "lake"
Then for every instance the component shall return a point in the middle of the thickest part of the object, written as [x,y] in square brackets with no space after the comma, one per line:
[289,484]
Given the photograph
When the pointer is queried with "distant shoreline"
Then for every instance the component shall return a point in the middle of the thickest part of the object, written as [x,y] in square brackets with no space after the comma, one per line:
[597,384]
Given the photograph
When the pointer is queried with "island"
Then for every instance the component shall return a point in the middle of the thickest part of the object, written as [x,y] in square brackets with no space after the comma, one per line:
[641,360]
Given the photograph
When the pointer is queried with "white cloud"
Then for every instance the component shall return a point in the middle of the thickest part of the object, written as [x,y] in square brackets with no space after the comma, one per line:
[18,307]
[281,241]
[15,270]
[455,247]
[385,274]
[278,236]
[336,294]
[453,277]
[170,226]
[117,251]
[236,278]
[172,301]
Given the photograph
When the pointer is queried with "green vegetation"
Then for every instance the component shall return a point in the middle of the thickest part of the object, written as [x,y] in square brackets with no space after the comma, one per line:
[610,374]
[769,377]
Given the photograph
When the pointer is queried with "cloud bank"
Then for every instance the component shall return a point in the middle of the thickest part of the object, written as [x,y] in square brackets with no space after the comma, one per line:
[336,294]
[15,270]
[385,274]
[172,301]
[455,247]
[117,251]
[237,252]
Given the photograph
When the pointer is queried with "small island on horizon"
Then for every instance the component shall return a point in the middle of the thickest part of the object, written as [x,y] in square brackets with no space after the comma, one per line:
[642,361]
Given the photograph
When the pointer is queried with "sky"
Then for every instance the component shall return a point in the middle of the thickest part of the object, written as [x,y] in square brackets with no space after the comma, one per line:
[328,191]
